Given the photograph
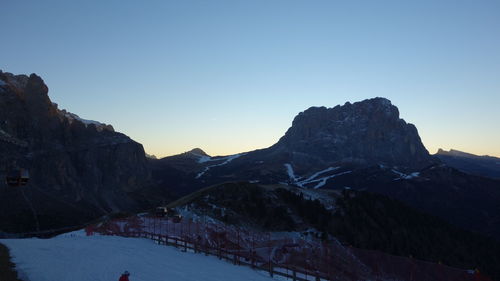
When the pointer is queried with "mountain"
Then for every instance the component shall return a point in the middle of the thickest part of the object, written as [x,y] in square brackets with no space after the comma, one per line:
[486,166]
[364,145]
[366,132]
[361,134]
[79,169]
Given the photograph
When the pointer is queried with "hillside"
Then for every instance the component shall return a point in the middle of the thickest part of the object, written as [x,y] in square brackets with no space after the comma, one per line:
[363,145]
[486,166]
[362,219]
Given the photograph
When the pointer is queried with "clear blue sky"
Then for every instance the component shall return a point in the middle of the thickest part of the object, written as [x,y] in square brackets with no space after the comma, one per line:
[229,76]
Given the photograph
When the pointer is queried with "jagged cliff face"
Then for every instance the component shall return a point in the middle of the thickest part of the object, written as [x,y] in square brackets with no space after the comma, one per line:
[79,170]
[366,132]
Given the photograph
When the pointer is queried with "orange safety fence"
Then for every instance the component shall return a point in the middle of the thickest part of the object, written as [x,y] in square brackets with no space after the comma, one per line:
[288,255]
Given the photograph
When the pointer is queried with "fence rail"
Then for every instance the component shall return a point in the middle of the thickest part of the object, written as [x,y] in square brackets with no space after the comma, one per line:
[291,257]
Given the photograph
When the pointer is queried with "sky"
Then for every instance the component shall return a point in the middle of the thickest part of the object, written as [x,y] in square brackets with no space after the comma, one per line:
[230,76]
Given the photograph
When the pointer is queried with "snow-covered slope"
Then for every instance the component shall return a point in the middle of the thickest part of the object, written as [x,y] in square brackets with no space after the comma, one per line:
[225,159]
[71,117]
[77,257]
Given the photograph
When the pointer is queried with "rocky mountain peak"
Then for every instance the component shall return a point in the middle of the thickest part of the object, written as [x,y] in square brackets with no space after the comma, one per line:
[16,81]
[367,132]
[198,151]
[77,171]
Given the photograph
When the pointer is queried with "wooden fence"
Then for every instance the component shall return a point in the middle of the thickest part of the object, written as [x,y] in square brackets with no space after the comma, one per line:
[294,258]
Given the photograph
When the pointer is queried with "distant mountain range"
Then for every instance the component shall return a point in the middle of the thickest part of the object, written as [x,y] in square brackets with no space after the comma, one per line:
[364,145]
[486,166]
[82,169]
[322,143]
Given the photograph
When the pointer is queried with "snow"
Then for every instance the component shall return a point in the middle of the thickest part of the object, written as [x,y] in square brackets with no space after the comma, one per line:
[322,181]
[2,83]
[84,121]
[313,177]
[71,117]
[398,173]
[203,158]
[405,176]
[412,175]
[226,159]
[77,257]
[291,174]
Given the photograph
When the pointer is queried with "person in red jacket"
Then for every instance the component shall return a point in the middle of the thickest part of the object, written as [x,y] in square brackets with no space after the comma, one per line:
[124,276]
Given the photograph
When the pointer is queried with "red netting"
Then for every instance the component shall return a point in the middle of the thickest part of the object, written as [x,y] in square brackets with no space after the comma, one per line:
[293,257]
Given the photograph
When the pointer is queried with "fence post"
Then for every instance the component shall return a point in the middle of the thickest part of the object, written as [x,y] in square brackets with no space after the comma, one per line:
[167,233]
[238,249]
[218,242]
[188,235]
[164,233]
[205,240]
[154,228]
[196,240]
[270,252]
[253,250]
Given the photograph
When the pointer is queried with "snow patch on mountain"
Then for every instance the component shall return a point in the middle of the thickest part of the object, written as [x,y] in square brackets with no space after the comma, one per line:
[403,176]
[314,177]
[71,117]
[205,158]
[226,160]
[322,181]
[290,172]
[202,158]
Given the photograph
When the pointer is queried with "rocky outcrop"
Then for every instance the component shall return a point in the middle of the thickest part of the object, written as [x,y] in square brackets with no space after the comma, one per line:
[366,132]
[79,170]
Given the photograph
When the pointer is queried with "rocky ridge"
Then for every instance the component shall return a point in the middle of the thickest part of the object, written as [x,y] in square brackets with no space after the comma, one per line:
[78,170]
[486,166]
[365,132]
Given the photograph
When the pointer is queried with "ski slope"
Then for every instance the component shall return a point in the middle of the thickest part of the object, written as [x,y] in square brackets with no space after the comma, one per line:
[75,257]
